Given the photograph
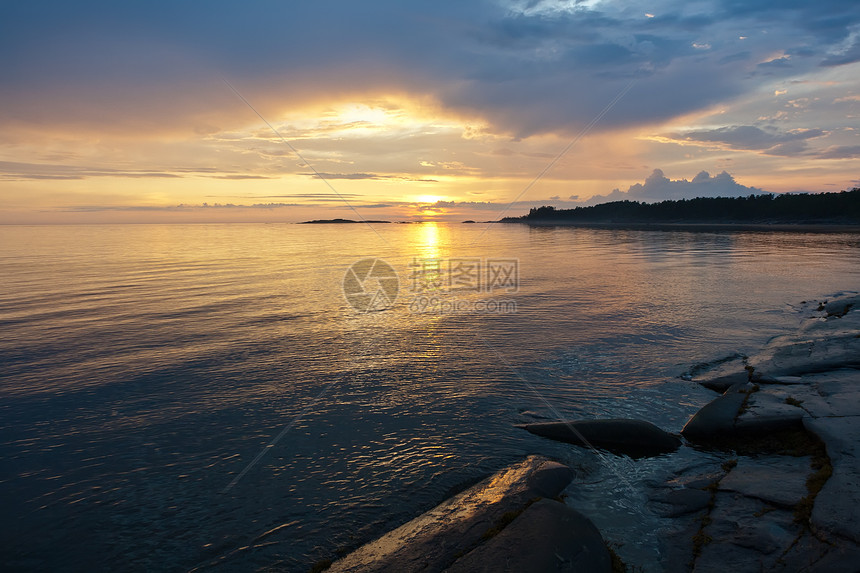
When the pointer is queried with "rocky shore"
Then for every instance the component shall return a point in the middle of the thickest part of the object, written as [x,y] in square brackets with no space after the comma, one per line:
[785,495]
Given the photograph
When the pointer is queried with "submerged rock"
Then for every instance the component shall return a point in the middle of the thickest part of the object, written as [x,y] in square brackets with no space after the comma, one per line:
[634,438]
[723,375]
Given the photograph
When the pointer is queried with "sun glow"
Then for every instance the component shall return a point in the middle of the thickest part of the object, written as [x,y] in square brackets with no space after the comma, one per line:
[428,199]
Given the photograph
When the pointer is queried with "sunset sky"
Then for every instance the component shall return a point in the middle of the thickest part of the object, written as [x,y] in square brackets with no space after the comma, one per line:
[124,111]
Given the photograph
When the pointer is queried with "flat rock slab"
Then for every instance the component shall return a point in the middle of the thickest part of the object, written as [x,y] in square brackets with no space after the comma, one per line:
[796,356]
[767,413]
[433,541]
[841,437]
[836,506]
[839,391]
[842,305]
[548,536]
[634,438]
[724,375]
[677,502]
[743,537]
[780,480]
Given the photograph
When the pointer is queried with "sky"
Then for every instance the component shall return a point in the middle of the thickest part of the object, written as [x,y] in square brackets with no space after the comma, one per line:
[214,111]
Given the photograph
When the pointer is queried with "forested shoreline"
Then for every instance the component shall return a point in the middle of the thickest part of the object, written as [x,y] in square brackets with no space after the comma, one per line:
[801,208]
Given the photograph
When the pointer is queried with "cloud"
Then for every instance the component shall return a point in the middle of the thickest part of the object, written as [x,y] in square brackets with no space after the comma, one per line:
[23,171]
[320,196]
[172,208]
[841,152]
[18,171]
[658,187]
[528,68]
[371,176]
[847,52]
[748,137]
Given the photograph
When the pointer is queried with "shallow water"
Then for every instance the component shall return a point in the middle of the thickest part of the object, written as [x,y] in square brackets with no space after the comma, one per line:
[144,367]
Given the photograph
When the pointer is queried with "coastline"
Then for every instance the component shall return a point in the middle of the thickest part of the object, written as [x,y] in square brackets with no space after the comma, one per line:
[703,227]
[785,424]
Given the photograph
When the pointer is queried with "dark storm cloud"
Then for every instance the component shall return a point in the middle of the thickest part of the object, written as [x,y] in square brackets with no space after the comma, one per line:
[526,68]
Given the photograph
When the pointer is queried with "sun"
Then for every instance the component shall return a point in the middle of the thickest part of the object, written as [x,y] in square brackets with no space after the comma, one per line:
[428,198]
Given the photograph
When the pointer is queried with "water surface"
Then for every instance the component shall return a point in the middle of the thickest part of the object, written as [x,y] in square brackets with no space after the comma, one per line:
[144,366]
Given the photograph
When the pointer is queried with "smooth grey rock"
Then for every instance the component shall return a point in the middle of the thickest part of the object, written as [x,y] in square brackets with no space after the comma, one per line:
[842,558]
[548,536]
[842,305]
[634,438]
[715,420]
[724,375]
[808,553]
[765,414]
[695,476]
[433,540]
[722,383]
[787,380]
[675,502]
[724,556]
[740,388]
[835,382]
[841,436]
[798,356]
[839,391]
[836,506]
[780,480]
[675,543]
[819,366]
[835,393]
[744,538]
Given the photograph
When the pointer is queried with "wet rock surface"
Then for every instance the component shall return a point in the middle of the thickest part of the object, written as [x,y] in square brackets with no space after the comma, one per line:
[788,501]
[784,495]
[634,438]
[507,519]
[777,480]
[547,536]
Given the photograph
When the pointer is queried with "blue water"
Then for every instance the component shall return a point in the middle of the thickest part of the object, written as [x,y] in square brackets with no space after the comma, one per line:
[143,367]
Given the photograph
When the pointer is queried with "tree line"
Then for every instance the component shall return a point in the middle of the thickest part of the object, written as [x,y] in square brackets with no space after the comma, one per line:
[841,207]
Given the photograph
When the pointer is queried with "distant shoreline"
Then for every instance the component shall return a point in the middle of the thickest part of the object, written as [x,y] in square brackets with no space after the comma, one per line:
[644,226]
[821,213]
[338,222]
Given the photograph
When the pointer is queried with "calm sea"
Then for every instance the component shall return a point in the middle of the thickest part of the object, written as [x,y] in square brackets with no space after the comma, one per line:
[144,367]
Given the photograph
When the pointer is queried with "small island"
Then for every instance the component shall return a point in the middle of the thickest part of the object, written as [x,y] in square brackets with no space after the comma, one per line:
[338,221]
